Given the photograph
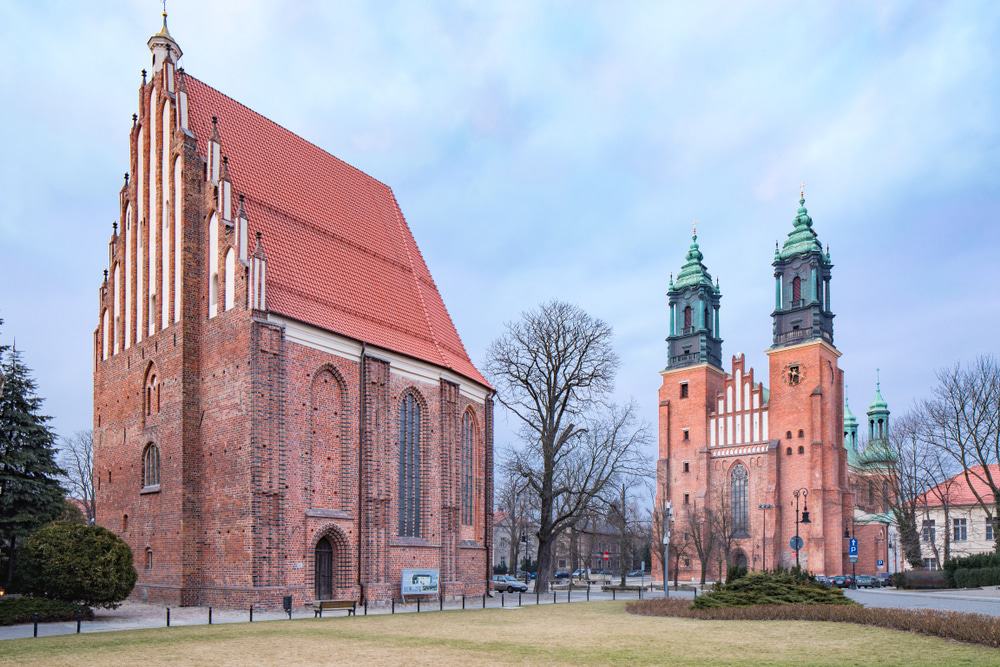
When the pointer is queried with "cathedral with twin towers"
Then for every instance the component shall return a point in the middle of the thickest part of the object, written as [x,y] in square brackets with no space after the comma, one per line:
[770,459]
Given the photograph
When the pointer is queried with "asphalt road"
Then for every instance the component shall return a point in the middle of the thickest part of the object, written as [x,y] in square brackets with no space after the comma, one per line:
[976,601]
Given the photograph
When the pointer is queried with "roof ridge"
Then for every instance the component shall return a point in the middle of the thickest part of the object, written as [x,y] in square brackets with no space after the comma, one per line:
[291,132]
[400,220]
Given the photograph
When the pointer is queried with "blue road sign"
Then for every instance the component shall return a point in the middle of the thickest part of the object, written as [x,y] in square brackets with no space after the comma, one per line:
[881,563]
[852,550]
[796,543]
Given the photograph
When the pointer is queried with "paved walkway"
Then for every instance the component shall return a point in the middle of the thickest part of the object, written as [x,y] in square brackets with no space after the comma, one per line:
[136,615]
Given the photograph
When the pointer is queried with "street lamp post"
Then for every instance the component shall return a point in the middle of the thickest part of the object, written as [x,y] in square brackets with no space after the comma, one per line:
[803,520]
[763,549]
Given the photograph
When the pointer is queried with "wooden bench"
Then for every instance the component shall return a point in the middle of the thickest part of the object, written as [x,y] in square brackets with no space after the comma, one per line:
[319,605]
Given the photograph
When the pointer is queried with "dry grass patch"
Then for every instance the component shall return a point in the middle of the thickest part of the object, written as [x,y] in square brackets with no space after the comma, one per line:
[566,634]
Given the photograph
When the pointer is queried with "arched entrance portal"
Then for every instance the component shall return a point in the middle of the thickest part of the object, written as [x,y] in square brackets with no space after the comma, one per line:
[740,559]
[324,569]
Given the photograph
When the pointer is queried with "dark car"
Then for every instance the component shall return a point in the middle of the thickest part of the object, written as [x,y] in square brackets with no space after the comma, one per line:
[561,574]
[824,581]
[842,581]
[884,579]
[866,581]
[578,573]
[638,573]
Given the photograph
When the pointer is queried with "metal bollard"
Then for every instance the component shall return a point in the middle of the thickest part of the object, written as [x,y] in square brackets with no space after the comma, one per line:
[501,600]
[366,606]
[418,605]
[251,613]
[536,596]
[463,602]
[612,594]
[568,594]
[588,592]
[210,616]
[394,605]
[78,618]
[554,597]
[519,599]
[34,620]
[441,602]
[484,600]
[168,617]
[640,592]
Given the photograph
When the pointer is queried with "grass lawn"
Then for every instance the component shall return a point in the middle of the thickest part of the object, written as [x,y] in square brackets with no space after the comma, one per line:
[579,634]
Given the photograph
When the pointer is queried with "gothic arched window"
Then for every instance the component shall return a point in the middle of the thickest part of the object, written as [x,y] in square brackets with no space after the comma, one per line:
[738,500]
[796,290]
[150,466]
[687,318]
[229,298]
[152,394]
[467,456]
[409,467]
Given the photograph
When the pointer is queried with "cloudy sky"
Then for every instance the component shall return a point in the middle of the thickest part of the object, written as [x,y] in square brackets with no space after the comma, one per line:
[556,149]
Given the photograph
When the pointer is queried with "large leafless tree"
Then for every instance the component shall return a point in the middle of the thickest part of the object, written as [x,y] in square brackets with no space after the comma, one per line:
[962,418]
[76,458]
[702,527]
[554,370]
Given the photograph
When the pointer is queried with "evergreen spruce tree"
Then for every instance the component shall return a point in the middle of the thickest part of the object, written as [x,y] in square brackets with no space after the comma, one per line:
[30,493]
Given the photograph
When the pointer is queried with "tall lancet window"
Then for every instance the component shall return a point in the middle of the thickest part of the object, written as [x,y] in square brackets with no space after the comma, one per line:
[116,299]
[140,248]
[178,214]
[128,277]
[229,280]
[213,266]
[105,324]
[468,439]
[166,235]
[738,500]
[796,290]
[687,319]
[154,204]
[409,467]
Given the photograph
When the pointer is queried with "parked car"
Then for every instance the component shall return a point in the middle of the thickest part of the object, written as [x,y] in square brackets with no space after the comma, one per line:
[842,581]
[884,579]
[638,573]
[824,581]
[579,573]
[504,583]
[561,574]
[866,581]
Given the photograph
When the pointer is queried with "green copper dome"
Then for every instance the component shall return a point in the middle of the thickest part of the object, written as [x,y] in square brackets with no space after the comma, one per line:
[878,403]
[851,436]
[849,418]
[878,453]
[802,239]
[693,273]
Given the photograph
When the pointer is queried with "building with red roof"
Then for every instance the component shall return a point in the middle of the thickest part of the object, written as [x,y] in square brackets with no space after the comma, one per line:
[951,517]
[282,403]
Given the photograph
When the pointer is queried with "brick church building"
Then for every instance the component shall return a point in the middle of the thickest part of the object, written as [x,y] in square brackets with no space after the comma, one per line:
[282,404]
[730,444]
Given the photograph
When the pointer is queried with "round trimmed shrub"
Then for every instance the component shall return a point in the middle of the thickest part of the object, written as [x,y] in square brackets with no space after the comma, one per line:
[771,588]
[86,565]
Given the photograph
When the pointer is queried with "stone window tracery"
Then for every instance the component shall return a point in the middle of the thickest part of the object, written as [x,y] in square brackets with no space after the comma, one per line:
[150,466]
[738,499]
[468,436]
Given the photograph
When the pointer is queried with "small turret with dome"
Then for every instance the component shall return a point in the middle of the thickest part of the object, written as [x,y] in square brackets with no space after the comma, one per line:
[851,434]
[694,313]
[163,46]
[877,451]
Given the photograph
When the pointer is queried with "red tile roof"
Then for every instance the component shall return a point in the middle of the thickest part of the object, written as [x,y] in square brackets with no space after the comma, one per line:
[340,254]
[956,490]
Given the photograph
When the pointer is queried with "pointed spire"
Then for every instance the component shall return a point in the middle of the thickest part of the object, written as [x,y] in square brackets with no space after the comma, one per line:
[878,403]
[114,228]
[693,272]
[144,77]
[163,45]
[802,239]
[126,179]
[135,119]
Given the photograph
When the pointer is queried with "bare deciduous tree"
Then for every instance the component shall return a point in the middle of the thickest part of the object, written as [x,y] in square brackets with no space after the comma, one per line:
[702,527]
[554,370]
[76,458]
[963,419]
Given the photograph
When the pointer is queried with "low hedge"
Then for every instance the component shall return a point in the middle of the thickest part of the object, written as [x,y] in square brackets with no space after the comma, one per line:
[989,559]
[922,579]
[972,628]
[22,609]
[772,588]
[974,578]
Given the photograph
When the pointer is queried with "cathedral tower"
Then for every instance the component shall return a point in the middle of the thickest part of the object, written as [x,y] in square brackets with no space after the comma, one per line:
[802,285]
[694,313]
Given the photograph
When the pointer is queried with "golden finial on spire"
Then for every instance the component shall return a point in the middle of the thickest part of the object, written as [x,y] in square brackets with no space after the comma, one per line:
[694,228]
[802,184]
